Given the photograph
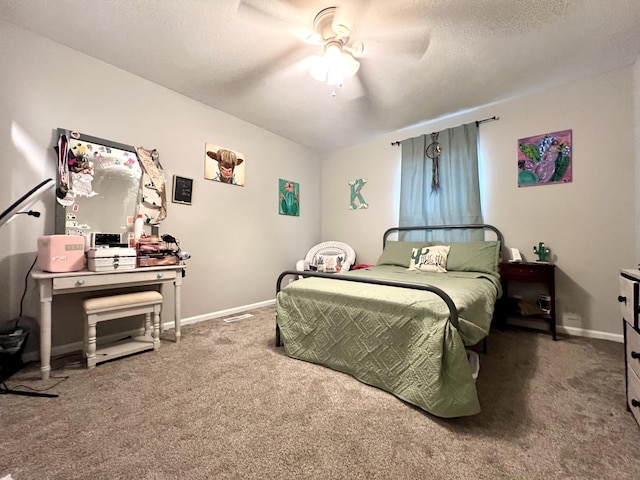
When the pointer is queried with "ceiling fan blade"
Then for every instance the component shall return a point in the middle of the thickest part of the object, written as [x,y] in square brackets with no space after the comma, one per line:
[297,69]
[274,65]
[277,16]
[410,42]
[344,18]
[387,28]
[352,17]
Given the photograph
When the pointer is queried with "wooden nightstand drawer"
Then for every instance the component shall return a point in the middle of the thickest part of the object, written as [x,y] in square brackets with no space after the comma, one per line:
[527,272]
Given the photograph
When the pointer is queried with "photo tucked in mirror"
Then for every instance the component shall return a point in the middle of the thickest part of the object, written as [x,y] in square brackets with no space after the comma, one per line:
[97,187]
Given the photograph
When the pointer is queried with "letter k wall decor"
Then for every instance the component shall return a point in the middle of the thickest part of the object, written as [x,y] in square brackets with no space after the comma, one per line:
[357,200]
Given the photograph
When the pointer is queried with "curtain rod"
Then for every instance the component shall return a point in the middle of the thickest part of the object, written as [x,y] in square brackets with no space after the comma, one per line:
[478,122]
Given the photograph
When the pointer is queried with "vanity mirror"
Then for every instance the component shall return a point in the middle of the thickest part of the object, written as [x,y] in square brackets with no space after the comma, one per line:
[97,186]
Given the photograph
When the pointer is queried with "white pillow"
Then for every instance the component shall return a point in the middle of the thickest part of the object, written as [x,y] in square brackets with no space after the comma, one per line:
[430,259]
[329,263]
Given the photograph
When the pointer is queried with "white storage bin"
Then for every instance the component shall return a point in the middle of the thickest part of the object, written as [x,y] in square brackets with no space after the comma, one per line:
[474,361]
[111,259]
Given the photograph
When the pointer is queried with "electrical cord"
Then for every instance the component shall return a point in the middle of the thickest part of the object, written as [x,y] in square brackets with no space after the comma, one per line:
[38,390]
[24,292]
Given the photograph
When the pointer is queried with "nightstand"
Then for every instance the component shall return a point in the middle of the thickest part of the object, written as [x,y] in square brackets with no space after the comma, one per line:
[528,272]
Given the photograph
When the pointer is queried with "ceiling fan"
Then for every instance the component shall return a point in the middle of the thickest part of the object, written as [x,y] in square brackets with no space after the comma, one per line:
[338,60]
[334,31]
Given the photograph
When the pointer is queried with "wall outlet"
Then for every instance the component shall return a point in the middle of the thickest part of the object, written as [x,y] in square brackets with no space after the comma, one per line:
[571,318]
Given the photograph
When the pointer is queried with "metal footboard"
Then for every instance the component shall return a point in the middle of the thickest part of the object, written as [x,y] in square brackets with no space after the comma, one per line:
[453,311]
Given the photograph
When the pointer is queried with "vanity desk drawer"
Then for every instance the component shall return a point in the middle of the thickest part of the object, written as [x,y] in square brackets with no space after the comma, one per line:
[131,277]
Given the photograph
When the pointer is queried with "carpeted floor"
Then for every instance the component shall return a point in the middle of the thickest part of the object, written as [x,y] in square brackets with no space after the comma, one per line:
[225,403]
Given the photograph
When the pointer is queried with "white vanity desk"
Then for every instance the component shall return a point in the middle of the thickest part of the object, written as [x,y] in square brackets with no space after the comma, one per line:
[50,284]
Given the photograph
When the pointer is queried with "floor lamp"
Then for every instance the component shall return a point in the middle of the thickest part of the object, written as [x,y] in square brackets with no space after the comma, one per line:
[12,342]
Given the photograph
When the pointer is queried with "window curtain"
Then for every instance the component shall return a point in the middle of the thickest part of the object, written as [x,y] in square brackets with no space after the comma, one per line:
[456,198]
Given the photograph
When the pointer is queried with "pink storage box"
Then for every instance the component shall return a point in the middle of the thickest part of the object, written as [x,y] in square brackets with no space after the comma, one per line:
[61,253]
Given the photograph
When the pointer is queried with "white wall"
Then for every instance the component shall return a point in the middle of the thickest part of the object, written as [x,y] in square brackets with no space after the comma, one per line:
[238,240]
[588,224]
[240,243]
[636,143]
[379,163]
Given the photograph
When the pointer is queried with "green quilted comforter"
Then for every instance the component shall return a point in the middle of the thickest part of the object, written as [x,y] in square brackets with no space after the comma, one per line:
[396,339]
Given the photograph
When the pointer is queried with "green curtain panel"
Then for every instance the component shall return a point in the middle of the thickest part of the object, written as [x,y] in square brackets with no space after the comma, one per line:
[444,190]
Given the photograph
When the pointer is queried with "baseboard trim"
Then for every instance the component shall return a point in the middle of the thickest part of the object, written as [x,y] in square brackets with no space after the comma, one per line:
[221,313]
[573,331]
[74,347]
[69,348]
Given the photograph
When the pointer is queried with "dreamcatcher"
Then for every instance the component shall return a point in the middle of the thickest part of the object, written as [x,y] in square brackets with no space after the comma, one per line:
[433,152]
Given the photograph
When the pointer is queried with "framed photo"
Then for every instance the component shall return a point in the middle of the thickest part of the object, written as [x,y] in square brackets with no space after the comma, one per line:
[182,190]
[224,165]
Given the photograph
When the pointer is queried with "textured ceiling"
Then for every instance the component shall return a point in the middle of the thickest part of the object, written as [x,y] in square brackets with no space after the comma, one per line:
[423,59]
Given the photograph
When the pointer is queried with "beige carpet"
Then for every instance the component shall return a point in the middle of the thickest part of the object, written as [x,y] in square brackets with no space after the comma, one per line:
[225,403]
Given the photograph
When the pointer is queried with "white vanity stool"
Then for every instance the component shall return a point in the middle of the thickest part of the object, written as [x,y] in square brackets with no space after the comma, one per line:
[101,309]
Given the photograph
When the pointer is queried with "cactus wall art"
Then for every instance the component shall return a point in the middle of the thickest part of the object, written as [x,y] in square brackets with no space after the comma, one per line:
[288,197]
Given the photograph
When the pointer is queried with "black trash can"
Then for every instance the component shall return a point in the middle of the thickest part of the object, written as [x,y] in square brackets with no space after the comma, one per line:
[12,344]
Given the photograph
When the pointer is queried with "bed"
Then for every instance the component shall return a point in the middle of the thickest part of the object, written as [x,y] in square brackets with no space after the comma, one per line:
[404,324]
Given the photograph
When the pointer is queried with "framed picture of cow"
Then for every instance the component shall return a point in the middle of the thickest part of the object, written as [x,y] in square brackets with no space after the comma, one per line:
[224,165]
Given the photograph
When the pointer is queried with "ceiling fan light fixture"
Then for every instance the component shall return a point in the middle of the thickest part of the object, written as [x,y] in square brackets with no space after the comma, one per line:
[337,61]
[334,76]
[319,70]
[334,65]
[350,65]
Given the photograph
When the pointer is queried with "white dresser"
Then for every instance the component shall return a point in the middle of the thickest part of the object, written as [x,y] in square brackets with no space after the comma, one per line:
[630,307]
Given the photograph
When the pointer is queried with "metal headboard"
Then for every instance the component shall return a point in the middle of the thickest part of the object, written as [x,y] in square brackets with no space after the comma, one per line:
[474,226]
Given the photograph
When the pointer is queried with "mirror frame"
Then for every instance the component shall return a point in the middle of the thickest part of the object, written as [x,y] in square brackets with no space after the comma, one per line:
[61,212]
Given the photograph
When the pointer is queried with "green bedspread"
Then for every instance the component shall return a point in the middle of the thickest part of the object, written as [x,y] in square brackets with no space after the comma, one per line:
[396,339]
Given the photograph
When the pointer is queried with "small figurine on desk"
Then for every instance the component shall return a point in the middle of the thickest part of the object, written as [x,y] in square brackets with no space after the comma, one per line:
[542,252]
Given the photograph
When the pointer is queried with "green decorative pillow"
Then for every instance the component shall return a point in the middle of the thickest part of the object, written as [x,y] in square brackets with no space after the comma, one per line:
[463,256]
[430,259]
[399,253]
[473,256]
